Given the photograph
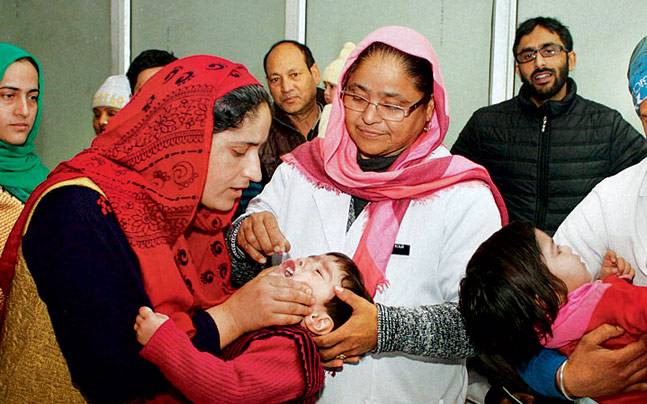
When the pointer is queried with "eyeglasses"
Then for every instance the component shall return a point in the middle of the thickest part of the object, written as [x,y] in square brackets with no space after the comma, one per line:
[388,112]
[547,51]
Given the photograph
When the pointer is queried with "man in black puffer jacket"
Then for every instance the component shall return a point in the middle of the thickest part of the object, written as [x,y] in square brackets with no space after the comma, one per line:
[548,147]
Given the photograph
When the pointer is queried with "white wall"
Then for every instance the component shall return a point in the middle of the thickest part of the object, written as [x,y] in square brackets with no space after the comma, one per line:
[459,30]
[72,40]
[604,34]
[240,30]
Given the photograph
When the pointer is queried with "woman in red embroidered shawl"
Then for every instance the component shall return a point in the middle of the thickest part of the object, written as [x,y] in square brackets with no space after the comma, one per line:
[138,219]
[382,188]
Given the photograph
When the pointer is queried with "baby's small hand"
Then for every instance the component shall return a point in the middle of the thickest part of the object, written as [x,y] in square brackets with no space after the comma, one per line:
[147,322]
[608,264]
[625,270]
[613,264]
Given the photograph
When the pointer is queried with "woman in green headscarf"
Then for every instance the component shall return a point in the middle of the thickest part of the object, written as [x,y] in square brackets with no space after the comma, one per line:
[20,110]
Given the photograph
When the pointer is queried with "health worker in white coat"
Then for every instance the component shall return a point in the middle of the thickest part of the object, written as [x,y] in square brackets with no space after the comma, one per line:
[381,188]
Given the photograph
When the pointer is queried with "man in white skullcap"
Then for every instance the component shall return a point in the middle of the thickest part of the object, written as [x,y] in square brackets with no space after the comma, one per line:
[113,94]
[332,72]
[330,78]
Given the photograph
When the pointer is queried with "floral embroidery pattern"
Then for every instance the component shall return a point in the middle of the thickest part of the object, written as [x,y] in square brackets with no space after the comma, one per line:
[223,269]
[207,277]
[106,208]
[216,224]
[184,174]
[182,257]
[189,285]
[216,248]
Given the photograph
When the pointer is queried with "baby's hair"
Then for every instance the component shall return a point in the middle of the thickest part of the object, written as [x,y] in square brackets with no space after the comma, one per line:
[339,311]
[509,298]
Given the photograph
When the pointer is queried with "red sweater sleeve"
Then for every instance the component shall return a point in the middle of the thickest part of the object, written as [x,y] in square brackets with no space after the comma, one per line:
[623,304]
[268,371]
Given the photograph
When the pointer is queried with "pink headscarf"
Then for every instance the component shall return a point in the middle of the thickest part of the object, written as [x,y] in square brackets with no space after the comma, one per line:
[332,163]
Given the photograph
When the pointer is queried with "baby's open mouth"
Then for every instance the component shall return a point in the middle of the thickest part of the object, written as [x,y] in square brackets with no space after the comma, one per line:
[288,268]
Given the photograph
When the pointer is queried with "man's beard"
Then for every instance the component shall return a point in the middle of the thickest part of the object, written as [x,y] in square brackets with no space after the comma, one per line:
[543,94]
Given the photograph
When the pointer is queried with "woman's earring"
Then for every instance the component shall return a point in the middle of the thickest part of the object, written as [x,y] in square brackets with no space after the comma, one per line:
[427,127]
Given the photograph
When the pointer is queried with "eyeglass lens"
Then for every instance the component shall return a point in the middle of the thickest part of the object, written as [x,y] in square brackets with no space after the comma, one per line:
[546,51]
[358,103]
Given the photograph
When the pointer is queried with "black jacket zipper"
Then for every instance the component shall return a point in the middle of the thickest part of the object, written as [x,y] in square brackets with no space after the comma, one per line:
[542,175]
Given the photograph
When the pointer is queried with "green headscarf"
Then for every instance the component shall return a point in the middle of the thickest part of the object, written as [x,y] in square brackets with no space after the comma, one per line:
[20,168]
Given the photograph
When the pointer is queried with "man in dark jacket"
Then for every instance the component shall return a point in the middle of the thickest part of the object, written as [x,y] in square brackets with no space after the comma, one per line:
[548,147]
[292,77]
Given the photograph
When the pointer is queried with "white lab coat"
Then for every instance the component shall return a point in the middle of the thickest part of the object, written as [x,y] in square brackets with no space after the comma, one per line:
[613,216]
[442,232]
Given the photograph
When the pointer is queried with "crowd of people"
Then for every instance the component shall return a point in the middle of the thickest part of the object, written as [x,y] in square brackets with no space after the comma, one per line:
[218,242]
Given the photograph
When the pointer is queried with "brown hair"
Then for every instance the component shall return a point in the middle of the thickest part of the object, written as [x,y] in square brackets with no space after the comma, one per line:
[509,298]
[339,311]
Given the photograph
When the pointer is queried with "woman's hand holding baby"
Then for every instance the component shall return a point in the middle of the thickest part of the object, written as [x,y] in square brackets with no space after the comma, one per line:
[262,302]
[356,337]
[147,322]
[593,370]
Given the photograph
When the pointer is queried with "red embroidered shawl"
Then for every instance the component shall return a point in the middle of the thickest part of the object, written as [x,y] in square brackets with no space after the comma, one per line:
[152,164]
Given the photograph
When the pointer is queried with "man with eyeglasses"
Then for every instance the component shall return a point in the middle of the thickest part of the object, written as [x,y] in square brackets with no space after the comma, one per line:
[612,216]
[548,147]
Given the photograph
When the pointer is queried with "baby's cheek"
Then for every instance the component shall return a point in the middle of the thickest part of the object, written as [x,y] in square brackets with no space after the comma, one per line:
[329,294]
[276,271]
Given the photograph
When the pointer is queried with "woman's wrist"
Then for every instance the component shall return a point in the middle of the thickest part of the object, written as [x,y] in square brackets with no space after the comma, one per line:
[232,237]
[228,327]
[379,343]
[384,327]
[561,385]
